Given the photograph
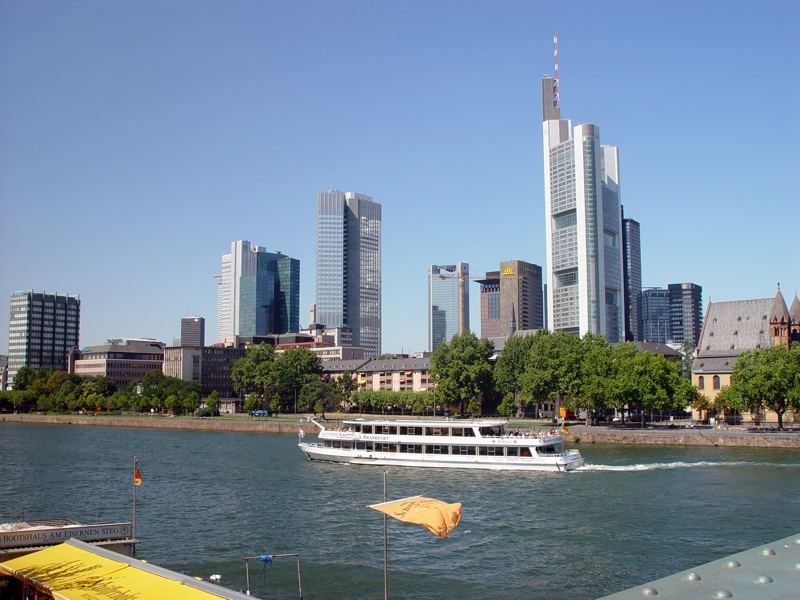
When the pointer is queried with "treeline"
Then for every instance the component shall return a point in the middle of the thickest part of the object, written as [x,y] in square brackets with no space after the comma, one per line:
[564,370]
[57,391]
[289,381]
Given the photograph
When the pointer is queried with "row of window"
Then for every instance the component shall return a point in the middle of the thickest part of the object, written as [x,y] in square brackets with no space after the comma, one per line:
[715,382]
[440,449]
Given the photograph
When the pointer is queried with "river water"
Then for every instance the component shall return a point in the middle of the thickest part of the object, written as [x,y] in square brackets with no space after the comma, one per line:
[208,499]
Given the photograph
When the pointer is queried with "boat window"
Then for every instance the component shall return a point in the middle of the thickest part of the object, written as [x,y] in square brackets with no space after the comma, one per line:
[469,432]
[512,451]
[361,446]
[437,431]
[525,451]
[436,449]
[358,428]
[367,428]
[550,449]
[385,448]
[411,448]
[411,430]
[347,445]
[491,451]
[457,431]
[389,430]
[337,444]
[493,431]
[463,450]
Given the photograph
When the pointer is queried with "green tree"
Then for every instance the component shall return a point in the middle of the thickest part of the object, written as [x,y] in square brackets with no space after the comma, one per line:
[275,404]
[296,368]
[345,386]
[255,372]
[251,402]
[554,369]
[462,372]
[317,396]
[508,372]
[769,379]
[212,401]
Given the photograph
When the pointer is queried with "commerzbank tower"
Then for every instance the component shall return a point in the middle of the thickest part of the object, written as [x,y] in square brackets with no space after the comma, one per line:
[582,222]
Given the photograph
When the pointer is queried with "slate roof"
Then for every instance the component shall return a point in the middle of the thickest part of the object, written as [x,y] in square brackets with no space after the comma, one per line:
[657,348]
[779,312]
[794,311]
[730,328]
[374,365]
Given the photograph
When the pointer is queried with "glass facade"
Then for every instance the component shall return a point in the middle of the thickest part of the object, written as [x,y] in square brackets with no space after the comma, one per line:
[632,276]
[448,302]
[348,287]
[43,328]
[259,293]
[655,315]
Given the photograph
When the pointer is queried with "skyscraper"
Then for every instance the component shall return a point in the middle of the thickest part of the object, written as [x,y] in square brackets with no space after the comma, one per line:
[193,331]
[656,325]
[686,312]
[632,278]
[258,293]
[583,225]
[448,302]
[349,266]
[672,315]
[520,297]
[490,305]
[42,329]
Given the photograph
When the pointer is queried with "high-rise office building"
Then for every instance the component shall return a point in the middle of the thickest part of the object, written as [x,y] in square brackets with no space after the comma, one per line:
[490,305]
[520,297]
[43,328]
[448,302]
[583,225]
[349,266]
[258,293]
[632,278]
[686,312]
[193,331]
[672,315]
[655,315]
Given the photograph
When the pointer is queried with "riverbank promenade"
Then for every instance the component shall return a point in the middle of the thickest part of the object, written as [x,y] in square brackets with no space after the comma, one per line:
[575,435]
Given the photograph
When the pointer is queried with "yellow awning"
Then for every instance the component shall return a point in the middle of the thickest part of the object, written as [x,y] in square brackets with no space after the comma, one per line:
[77,571]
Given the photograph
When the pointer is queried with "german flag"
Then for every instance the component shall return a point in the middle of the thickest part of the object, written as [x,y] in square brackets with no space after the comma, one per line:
[137,476]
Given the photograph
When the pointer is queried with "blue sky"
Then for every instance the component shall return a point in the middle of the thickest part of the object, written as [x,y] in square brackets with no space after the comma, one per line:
[138,139]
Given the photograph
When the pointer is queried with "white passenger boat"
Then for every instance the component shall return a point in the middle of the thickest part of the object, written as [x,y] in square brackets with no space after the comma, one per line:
[466,444]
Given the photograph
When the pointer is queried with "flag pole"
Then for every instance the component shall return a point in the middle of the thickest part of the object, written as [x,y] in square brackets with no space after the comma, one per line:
[385,543]
[133,521]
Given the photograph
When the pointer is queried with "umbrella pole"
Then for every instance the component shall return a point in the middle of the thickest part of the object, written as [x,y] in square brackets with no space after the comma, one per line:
[385,543]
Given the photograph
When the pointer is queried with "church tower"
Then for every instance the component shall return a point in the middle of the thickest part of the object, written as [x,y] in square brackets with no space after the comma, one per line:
[780,321]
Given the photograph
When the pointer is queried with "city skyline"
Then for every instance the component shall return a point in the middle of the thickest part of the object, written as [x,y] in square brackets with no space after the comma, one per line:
[135,183]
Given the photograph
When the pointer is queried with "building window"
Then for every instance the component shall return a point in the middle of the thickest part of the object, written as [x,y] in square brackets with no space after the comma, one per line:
[716,382]
[701,382]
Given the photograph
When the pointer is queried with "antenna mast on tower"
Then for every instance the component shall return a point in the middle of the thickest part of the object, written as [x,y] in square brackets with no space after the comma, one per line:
[556,102]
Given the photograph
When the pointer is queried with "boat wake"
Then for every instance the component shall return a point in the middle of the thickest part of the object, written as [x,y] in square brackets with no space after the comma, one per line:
[681,465]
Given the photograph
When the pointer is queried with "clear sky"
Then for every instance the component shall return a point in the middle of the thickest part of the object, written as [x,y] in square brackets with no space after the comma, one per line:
[138,139]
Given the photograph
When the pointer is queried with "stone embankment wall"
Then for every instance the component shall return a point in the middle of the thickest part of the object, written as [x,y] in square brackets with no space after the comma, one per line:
[577,435]
[159,422]
[682,437]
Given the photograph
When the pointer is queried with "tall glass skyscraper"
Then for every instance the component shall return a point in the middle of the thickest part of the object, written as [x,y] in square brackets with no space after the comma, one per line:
[672,315]
[632,277]
[258,293]
[349,266]
[583,226]
[448,302]
[42,329]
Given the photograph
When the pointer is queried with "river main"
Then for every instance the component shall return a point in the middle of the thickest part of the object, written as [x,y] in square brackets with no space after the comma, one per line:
[633,514]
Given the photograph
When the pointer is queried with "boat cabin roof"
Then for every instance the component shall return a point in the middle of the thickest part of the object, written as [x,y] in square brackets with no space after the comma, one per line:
[429,422]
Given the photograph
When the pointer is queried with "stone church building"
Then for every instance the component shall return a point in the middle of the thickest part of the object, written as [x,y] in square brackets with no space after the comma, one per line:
[731,328]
